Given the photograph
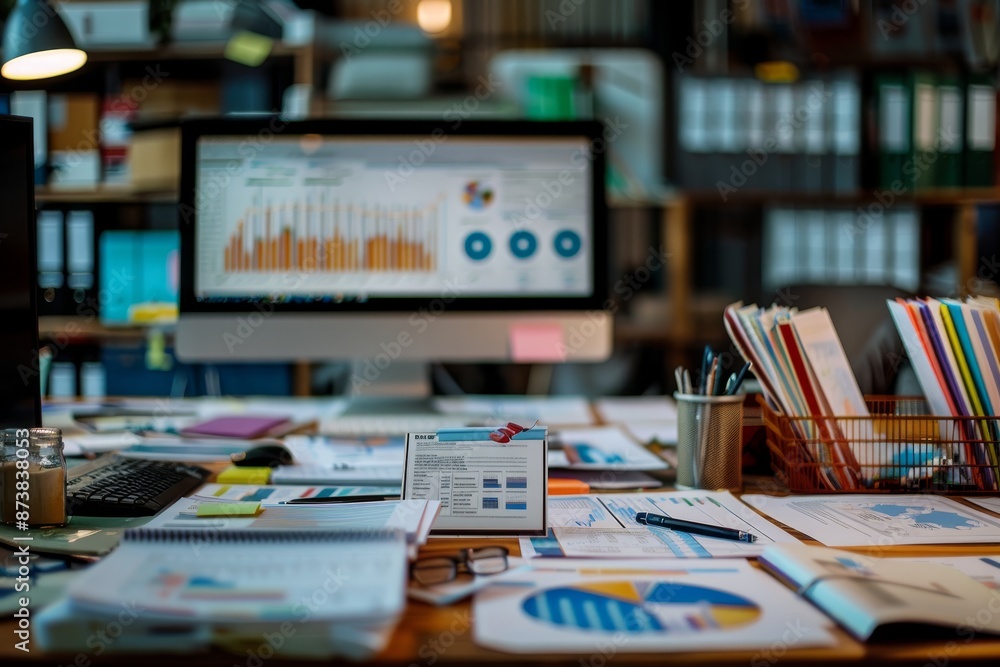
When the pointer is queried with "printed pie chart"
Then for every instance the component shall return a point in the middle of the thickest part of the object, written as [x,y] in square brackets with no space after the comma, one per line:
[478,246]
[523,244]
[638,607]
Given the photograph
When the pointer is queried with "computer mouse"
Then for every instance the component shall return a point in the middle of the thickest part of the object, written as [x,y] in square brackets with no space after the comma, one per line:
[263,456]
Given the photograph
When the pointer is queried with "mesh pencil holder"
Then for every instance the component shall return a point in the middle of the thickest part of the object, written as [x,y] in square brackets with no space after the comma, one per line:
[709,441]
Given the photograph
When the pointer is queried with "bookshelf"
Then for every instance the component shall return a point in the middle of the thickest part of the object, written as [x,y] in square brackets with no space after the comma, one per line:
[482,28]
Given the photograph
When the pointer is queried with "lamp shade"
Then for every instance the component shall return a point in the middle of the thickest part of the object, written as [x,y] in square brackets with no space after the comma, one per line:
[37,44]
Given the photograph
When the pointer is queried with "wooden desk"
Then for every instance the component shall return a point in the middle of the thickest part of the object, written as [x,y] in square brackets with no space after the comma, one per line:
[428,636]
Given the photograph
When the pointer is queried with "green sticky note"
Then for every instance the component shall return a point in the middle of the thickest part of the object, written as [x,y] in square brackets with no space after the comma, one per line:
[229,509]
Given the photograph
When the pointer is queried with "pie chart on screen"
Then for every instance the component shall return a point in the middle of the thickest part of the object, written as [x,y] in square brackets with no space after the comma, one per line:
[638,607]
[477,195]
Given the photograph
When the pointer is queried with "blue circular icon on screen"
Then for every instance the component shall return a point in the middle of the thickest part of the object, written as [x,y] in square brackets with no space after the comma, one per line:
[523,244]
[478,246]
[567,243]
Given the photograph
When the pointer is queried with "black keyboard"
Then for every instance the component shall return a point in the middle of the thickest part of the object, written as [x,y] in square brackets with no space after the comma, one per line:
[117,486]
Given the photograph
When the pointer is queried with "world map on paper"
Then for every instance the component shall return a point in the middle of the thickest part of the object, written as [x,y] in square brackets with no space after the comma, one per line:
[922,516]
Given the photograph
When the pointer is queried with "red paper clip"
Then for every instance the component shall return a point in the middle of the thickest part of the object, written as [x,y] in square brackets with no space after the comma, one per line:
[505,433]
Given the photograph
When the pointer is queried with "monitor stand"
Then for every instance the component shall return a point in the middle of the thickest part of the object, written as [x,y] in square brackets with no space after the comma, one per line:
[400,388]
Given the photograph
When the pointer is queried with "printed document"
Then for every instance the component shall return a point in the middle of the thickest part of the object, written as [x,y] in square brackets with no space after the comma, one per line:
[880,519]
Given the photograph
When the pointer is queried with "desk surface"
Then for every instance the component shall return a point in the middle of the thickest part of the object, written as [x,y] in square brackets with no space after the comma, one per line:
[428,636]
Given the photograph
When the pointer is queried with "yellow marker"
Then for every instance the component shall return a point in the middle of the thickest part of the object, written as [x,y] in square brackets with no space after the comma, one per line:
[229,509]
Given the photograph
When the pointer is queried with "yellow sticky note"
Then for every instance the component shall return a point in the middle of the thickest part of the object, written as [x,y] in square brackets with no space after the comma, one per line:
[229,509]
[246,475]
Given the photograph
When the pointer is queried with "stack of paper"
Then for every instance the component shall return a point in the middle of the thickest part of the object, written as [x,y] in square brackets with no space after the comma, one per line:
[413,517]
[299,592]
[954,349]
[335,461]
[804,372]
[605,526]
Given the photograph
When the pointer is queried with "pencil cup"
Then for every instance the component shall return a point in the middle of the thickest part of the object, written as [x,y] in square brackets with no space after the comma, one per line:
[709,441]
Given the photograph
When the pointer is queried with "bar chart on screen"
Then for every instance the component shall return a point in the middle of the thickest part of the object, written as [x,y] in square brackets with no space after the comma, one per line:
[323,233]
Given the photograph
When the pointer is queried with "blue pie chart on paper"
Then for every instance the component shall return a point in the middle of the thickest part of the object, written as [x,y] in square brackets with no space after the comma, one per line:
[641,606]
[523,244]
[478,246]
[567,243]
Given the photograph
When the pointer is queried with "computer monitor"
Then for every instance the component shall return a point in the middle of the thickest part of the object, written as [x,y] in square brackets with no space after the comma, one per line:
[391,241]
[20,394]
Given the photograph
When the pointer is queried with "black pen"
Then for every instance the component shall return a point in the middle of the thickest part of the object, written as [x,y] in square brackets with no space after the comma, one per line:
[337,499]
[650,519]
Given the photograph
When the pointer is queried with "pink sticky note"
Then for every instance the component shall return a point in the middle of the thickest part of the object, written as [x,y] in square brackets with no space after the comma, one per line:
[537,342]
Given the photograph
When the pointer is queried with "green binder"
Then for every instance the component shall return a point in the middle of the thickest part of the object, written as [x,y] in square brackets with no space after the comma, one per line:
[951,131]
[980,130]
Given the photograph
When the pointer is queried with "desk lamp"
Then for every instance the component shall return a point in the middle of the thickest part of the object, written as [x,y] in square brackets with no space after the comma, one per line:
[37,44]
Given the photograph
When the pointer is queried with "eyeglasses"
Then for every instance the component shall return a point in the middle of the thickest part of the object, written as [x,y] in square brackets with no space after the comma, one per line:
[439,569]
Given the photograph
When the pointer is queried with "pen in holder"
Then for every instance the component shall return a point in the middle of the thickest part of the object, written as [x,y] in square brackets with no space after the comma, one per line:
[709,441]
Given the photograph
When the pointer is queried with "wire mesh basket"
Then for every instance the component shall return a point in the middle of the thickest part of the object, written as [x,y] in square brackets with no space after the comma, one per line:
[899,447]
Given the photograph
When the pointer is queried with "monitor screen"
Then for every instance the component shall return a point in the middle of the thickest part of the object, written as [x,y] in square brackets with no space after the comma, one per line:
[331,217]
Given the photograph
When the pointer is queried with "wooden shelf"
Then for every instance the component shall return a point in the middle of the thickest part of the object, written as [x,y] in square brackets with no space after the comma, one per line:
[945,196]
[178,51]
[103,194]
[78,328]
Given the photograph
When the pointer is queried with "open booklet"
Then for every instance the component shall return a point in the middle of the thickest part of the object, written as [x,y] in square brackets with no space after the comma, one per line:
[883,597]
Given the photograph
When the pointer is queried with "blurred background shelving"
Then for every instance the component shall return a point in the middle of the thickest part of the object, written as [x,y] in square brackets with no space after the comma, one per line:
[691,92]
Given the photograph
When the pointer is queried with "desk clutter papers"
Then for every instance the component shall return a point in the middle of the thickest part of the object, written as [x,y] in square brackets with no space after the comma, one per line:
[609,480]
[547,410]
[413,517]
[804,372]
[880,519]
[645,418]
[364,461]
[954,349]
[605,527]
[665,605]
[888,597]
[991,503]
[276,495]
[241,586]
[600,448]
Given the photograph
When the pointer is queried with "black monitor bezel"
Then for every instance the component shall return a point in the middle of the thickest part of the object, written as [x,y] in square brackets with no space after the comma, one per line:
[21,406]
[266,126]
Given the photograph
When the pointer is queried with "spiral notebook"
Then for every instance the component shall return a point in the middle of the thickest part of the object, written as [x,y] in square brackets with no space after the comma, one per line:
[245,575]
